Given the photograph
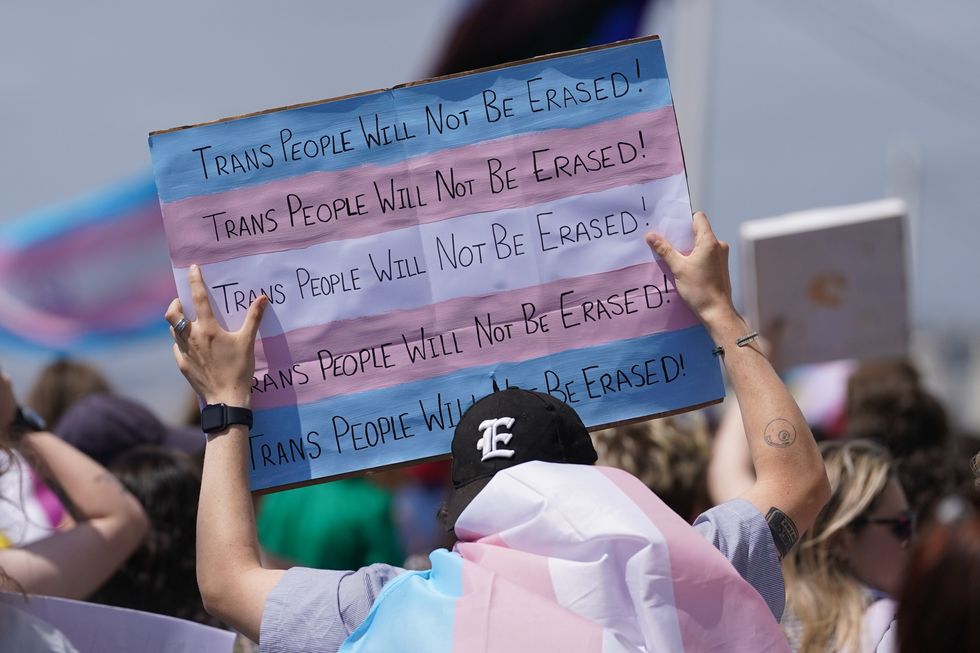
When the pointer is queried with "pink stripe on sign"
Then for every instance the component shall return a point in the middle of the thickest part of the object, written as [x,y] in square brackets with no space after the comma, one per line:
[357,362]
[189,227]
[522,620]
[715,606]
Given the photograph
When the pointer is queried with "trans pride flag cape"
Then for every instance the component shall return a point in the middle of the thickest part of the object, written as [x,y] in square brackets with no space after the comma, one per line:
[88,272]
[570,559]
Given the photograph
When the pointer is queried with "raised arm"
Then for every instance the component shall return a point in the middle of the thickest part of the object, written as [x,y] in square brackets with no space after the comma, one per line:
[791,485]
[110,525]
[730,471]
[219,366]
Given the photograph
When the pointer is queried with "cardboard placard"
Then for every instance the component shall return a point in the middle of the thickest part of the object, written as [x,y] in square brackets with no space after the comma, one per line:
[829,284]
[421,242]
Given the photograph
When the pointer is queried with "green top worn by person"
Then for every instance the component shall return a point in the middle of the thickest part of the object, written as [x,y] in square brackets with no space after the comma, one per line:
[345,524]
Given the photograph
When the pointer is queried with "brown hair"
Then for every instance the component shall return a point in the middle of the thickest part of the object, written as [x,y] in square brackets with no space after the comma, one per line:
[940,599]
[670,455]
[61,384]
[887,403]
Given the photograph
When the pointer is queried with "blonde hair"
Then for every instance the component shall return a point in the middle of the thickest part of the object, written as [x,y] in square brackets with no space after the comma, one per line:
[670,455]
[821,591]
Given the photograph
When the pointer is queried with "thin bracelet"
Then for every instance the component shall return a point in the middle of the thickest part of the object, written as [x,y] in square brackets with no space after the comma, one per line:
[741,342]
[747,338]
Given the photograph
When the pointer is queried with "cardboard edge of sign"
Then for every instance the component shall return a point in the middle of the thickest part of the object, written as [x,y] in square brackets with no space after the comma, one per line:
[429,80]
[445,456]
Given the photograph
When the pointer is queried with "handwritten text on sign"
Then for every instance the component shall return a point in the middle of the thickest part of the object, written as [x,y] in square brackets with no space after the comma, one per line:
[419,242]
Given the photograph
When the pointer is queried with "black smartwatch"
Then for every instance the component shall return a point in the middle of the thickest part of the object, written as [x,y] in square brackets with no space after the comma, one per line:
[218,417]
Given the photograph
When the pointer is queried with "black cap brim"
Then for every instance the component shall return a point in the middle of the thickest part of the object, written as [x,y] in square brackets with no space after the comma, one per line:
[460,497]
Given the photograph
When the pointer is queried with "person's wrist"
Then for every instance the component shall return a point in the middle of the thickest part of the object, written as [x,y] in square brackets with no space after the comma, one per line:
[720,316]
[231,397]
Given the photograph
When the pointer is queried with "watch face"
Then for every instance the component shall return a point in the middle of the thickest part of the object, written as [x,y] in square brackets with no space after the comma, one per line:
[213,418]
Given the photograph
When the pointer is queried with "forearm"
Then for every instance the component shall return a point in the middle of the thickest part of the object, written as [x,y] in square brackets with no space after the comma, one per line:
[111,524]
[94,491]
[233,583]
[227,545]
[219,366]
[788,466]
[730,471]
[791,485]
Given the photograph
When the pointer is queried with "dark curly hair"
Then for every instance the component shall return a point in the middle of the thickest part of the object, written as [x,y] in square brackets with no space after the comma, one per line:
[161,575]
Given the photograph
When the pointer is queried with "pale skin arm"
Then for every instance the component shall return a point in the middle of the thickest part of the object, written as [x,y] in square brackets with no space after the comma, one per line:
[110,525]
[219,366]
[791,485]
[730,471]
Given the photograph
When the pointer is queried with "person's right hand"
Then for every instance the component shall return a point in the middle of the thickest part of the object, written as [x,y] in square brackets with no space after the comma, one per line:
[218,364]
[701,277]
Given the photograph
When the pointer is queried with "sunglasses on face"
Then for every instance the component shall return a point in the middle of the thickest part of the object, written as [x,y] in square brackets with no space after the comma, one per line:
[902,527]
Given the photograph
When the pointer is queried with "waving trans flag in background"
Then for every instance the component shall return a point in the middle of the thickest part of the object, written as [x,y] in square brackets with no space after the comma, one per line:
[90,272]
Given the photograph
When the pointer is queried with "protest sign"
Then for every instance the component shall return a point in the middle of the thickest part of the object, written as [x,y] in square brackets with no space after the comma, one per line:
[94,628]
[829,284]
[420,243]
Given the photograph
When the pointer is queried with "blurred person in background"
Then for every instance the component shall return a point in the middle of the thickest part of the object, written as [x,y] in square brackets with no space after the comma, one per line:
[60,384]
[160,576]
[842,575]
[345,524]
[41,510]
[422,491]
[887,403]
[106,426]
[29,511]
[108,526]
[939,606]
[670,455]
[491,32]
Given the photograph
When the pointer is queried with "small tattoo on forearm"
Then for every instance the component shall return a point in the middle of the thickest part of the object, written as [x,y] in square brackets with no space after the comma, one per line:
[780,433]
[784,531]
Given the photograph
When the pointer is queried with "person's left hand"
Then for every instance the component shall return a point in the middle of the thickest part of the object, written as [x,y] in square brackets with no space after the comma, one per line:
[218,364]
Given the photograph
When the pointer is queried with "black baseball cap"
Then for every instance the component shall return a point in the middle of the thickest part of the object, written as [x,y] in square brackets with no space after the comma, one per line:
[527,425]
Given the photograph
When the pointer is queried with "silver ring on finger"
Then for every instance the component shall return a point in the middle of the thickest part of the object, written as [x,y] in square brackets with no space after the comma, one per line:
[181,326]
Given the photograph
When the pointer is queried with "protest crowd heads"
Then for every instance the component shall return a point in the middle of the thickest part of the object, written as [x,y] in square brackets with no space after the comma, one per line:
[940,598]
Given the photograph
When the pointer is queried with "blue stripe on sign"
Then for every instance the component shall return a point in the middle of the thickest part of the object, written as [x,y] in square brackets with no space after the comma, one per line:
[180,174]
[297,443]
[100,207]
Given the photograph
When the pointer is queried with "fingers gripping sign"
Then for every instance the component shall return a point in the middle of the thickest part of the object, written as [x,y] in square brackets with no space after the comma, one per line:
[701,276]
[217,363]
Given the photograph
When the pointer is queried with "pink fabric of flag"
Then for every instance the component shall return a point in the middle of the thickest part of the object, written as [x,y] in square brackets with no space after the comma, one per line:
[574,559]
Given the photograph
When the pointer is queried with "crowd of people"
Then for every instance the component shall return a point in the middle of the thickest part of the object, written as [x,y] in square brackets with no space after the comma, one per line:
[863,538]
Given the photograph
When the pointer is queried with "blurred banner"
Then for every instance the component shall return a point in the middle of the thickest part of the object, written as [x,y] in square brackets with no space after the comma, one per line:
[90,272]
[492,32]
[94,628]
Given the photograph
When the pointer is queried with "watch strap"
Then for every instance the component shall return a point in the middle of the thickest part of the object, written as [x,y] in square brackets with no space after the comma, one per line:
[218,417]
